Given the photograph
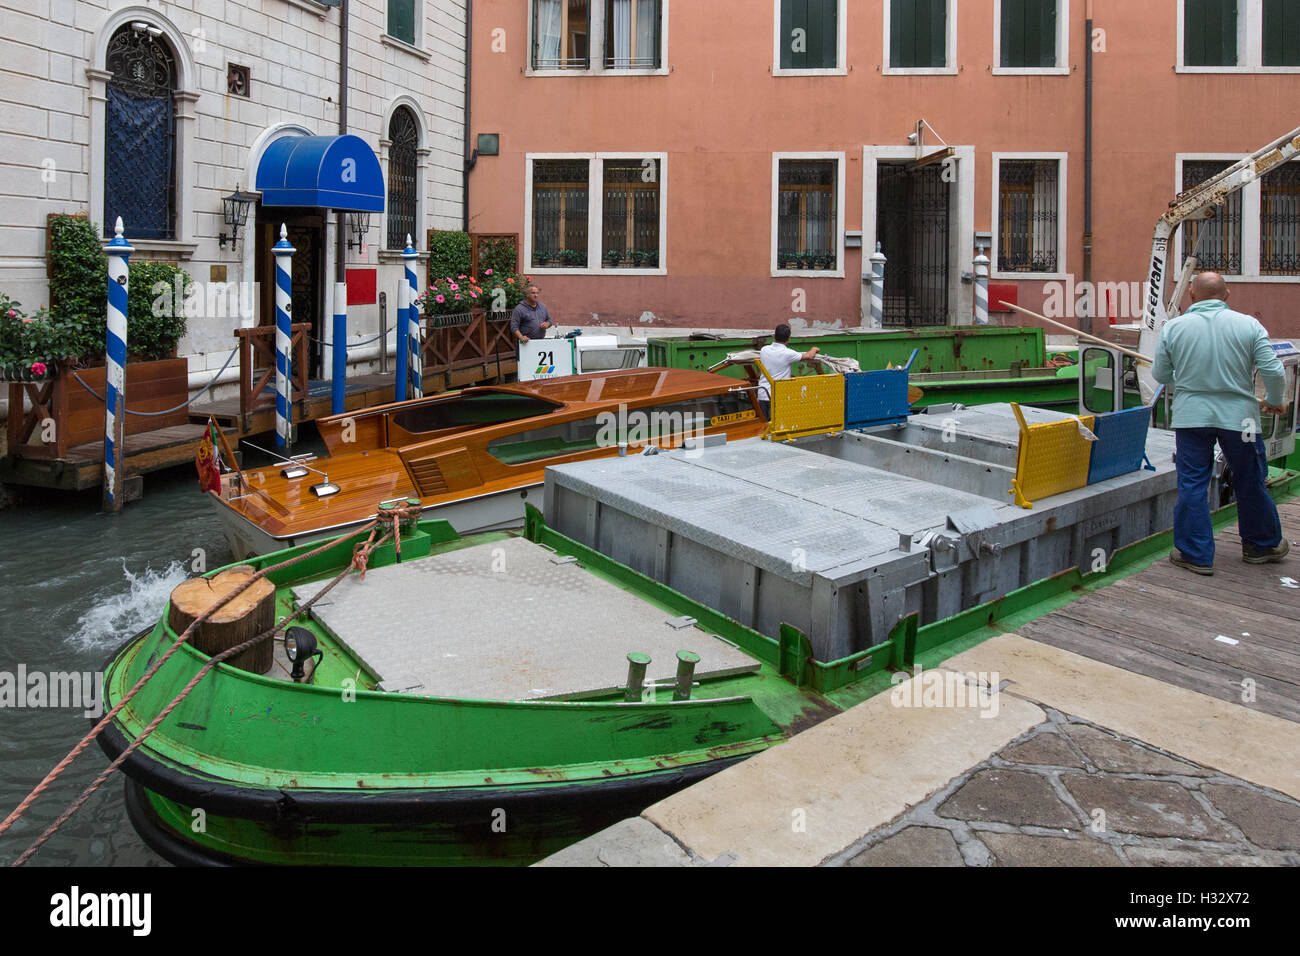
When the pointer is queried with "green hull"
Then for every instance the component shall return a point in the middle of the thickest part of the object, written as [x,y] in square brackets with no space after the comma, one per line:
[278,772]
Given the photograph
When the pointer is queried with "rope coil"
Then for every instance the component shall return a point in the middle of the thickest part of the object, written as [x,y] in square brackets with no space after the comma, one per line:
[360,558]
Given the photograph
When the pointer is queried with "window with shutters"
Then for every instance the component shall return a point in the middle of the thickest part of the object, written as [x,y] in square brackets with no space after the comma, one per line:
[920,37]
[140,135]
[597,212]
[1281,33]
[401,20]
[810,37]
[809,215]
[1029,215]
[1031,36]
[1216,242]
[1210,32]
[1238,36]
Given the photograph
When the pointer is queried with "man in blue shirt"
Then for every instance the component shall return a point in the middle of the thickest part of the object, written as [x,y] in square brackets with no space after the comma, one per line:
[529,320]
[1210,354]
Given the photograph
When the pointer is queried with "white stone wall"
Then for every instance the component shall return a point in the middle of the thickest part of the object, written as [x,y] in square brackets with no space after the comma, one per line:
[51,154]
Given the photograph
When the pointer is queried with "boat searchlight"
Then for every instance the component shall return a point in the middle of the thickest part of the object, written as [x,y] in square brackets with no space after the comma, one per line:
[300,647]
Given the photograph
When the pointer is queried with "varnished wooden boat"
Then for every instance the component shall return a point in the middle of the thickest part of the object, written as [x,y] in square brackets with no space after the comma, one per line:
[476,457]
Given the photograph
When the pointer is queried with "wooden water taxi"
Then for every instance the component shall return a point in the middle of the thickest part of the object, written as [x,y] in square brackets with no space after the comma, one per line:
[473,458]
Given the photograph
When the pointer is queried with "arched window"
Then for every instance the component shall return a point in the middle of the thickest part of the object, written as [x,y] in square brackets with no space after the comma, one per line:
[404,140]
[140,135]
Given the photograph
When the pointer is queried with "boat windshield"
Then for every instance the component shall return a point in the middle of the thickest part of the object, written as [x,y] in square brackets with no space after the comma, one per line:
[475,410]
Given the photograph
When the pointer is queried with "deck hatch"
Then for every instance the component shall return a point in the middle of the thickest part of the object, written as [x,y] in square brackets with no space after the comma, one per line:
[553,631]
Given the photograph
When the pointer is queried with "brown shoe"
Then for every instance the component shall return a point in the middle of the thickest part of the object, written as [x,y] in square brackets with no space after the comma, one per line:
[1271,556]
[1176,558]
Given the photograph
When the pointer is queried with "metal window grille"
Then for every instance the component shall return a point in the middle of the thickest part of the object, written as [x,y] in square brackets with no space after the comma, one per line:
[561,191]
[630,214]
[1279,221]
[806,214]
[404,138]
[1216,242]
[561,31]
[1028,214]
[140,135]
[913,220]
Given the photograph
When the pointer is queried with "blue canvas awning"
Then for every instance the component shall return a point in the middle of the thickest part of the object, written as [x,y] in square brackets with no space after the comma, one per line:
[333,172]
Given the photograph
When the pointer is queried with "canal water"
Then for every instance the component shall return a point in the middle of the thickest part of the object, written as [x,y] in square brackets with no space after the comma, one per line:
[75,584]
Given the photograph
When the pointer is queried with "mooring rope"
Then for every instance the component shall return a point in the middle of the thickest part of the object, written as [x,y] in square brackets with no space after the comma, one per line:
[168,411]
[360,558]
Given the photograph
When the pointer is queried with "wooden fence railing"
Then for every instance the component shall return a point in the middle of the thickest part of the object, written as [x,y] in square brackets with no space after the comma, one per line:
[470,338]
[257,369]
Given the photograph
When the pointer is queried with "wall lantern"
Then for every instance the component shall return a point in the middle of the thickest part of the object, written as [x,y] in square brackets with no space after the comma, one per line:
[234,213]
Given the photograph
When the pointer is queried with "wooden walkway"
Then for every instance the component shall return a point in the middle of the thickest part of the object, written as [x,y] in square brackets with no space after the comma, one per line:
[1207,634]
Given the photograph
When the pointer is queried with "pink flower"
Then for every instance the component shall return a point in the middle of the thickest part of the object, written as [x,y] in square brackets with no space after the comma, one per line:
[457,296]
[12,314]
[453,285]
[460,277]
[441,298]
[28,319]
[38,368]
[472,295]
[487,272]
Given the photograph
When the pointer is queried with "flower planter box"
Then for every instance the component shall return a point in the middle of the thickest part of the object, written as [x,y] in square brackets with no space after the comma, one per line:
[78,416]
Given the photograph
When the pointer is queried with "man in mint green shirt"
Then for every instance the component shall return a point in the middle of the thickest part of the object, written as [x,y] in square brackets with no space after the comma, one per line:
[1210,354]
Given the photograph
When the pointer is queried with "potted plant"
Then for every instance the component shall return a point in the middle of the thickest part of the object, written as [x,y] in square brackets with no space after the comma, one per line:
[788,259]
[613,258]
[573,258]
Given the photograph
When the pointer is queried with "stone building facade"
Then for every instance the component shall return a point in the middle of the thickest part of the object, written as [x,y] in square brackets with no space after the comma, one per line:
[156,111]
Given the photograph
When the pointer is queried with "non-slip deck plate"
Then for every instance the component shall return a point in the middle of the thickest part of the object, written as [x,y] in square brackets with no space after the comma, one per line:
[502,621]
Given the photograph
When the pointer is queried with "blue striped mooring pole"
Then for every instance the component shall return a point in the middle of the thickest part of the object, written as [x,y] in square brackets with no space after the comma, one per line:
[981,288]
[414,368]
[283,338]
[119,252]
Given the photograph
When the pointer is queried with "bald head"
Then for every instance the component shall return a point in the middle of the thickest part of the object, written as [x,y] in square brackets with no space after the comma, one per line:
[1208,285]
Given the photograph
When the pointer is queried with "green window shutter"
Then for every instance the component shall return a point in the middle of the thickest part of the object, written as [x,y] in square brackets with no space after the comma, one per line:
[1282,32]
[918,33]
[1210,32]
[401,20]
[1028,33]
[820,46]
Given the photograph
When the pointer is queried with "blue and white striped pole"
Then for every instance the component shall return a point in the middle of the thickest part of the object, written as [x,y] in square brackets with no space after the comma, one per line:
[981,288]
[878,288]
[403,350]
[414,367]
[283,337]
[119,252]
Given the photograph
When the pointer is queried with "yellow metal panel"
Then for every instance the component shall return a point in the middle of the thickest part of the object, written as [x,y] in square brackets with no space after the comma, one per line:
[812,405]
[1053,458]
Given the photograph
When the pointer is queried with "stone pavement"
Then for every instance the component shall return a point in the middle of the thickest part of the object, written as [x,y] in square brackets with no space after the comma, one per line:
[1072,762]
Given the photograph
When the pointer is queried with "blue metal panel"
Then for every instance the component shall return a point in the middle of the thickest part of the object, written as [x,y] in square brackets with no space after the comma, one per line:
[334,172]
[875,398]
[1121,443]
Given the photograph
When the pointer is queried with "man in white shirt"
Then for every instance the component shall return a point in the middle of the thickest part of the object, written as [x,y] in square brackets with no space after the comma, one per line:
[778,358]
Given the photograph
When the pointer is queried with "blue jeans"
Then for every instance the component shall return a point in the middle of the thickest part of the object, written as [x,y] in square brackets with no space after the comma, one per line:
[1257,517]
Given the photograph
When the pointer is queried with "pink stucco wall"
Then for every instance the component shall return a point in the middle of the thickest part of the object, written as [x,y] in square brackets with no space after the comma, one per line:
[720,114]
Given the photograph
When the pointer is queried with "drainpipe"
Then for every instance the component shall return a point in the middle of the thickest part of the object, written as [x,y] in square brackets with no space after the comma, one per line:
[340,238]
[1085,321]
[470,156]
